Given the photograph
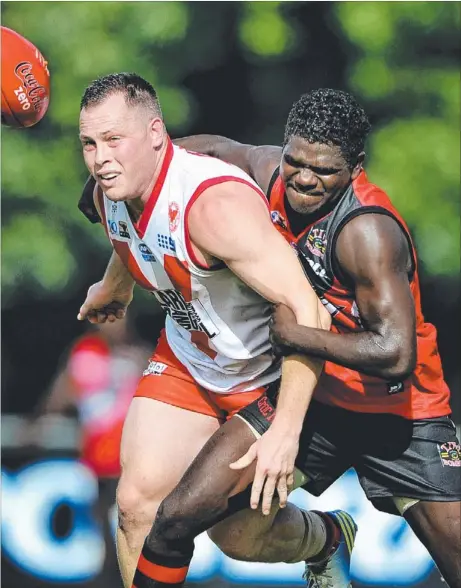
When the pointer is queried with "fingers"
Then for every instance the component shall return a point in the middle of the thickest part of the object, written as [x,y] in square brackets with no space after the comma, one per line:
[83,312]
[102,315]
[268,494]
[256,489]
[245,460]
[282,489]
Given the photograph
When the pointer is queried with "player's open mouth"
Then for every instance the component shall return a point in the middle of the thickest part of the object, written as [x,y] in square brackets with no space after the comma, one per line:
[107,177]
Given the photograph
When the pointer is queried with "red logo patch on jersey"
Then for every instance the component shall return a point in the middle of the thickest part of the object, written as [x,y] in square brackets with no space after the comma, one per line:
[173,216]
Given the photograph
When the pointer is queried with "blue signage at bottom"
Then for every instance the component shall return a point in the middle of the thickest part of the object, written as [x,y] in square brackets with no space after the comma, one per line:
[386,550]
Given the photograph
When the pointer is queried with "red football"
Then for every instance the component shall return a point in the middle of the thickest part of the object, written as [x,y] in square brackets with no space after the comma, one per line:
[25,81]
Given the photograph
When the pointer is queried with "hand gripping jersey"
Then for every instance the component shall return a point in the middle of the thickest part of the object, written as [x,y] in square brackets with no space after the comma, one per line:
[216,325]
[424,394]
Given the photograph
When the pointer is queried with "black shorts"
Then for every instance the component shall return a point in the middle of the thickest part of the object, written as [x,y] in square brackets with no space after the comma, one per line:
[393,456]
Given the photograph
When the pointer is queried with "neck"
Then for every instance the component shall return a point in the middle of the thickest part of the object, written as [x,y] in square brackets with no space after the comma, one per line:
[136,205]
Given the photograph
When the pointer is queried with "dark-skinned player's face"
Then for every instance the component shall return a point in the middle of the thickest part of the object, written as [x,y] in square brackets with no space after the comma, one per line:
[315,174]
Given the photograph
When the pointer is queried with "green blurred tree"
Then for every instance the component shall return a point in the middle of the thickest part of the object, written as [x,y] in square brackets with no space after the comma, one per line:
[405,71]
[46,242]
[43,232]
[404,68]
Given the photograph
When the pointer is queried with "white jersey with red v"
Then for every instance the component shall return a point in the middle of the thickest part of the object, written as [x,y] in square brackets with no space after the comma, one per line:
[216,326]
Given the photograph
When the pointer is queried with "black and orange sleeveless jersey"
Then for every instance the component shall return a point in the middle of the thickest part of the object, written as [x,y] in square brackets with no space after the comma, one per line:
[424,394]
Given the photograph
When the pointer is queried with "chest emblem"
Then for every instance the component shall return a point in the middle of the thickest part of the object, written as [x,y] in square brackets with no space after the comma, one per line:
[316,242]
[173,216]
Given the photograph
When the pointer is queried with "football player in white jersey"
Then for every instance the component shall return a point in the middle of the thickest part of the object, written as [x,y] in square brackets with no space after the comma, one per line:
[128,152]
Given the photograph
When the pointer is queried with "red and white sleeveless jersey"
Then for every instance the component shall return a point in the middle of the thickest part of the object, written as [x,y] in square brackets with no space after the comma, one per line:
[216,325]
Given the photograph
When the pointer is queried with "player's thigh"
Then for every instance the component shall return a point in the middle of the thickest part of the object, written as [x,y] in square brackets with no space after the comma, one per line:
[326,447]
[319,463]
[437,524]
[159,442]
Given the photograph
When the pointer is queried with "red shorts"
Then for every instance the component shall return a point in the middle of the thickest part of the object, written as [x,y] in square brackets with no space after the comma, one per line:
[170,382]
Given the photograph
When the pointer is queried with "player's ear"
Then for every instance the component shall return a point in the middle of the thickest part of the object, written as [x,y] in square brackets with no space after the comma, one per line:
[358,166]
[157,132]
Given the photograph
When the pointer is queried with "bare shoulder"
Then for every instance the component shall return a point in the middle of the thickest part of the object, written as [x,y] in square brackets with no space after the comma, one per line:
[371,240]
[226,217]
[229,202]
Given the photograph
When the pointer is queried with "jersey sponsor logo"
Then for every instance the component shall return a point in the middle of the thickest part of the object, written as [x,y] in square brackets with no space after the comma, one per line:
[316,242]
[185,313]
[123,230]
[316,267]
[173,216]
[146,253]
[155,368]
[395,388]
[278,219]
[166,242]
[113,229]
[450,454]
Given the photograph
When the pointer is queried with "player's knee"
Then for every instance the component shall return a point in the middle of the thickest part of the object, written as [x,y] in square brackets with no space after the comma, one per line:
[136,504]
[174,530]
[183,515]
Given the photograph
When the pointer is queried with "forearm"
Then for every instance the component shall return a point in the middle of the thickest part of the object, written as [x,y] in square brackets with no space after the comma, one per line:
[117,277]
[299,378]
[300,375]
[366,351]
[208,144]
[221,147]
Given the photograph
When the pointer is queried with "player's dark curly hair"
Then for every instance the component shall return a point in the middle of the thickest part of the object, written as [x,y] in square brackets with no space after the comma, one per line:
[332,117]
[137,91]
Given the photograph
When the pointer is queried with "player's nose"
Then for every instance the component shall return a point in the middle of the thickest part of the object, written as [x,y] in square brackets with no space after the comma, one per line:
[102,155]
[306,179]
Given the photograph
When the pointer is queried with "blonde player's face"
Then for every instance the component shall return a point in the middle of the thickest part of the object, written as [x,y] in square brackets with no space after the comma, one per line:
[121,145]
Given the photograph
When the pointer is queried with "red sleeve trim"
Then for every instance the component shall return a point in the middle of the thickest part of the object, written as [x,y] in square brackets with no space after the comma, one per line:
[199,190]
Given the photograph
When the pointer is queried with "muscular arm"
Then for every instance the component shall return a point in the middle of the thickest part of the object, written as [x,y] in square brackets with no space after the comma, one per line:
[374,254]
[259,162]
[117,275]
[253,249]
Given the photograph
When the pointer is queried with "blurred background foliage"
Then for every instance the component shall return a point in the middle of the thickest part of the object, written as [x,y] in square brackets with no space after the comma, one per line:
[230,68]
